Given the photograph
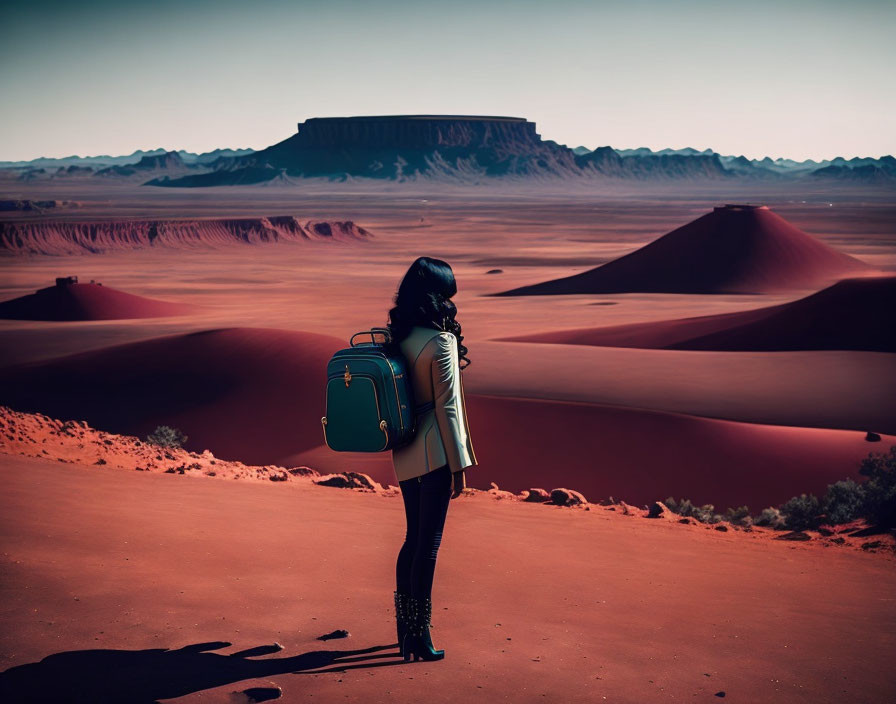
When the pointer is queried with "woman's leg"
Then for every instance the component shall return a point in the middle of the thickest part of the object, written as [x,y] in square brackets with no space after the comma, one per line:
[410,493]
[434,497]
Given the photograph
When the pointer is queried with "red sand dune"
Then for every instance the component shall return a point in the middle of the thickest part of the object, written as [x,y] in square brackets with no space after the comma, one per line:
[256,395]
[639,455]
[87,302]
[854,314]
[252,394]
[734,249]
[39,237]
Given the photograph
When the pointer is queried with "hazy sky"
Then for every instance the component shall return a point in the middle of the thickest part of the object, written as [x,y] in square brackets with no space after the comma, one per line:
[784,78]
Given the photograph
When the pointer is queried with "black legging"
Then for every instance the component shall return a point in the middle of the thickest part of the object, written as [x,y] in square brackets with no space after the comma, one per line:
[425,506]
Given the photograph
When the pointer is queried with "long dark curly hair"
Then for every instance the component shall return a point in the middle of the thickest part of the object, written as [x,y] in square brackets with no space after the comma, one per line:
[424,299]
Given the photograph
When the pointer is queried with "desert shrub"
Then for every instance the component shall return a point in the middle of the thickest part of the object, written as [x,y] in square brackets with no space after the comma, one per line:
[844,502]
[704,514]
[771,517]
[880,488]
[739,516]
[801,512]
[673,505]
[166,437]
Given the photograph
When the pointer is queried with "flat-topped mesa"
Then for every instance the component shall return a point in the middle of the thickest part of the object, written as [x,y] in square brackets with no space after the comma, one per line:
[737,207]
[416,132]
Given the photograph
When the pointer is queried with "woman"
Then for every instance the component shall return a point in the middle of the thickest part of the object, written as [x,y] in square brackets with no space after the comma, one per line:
[430,468]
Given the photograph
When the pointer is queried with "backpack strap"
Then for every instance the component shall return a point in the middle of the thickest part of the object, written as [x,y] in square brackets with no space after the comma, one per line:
[424,407]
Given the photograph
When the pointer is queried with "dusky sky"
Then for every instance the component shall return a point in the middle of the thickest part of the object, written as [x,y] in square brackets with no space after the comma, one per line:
[790,78]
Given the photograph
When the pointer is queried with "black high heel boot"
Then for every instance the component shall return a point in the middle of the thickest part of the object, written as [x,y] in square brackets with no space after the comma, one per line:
[401,617]
[417,640]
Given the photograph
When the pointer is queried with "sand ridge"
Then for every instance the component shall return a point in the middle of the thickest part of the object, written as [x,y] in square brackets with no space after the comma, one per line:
[853,314]
[73,442]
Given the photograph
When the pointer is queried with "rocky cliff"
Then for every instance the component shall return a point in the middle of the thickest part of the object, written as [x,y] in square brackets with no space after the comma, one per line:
[37,237]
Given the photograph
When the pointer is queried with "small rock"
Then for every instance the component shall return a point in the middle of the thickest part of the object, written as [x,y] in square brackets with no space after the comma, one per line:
[720,694]
[255,694]
[628,509]
[872,437]
[539,495]
[655,510]
[722,528]
[872,545]
[303,471]
[100,461]
[501,494]
[567,497]
[280,476]
[495,271]
[350,480]
[794,535]
[686,521]
[338,633]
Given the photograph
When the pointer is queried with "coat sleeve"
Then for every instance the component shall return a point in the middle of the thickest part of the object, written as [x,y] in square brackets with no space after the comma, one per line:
[450,411]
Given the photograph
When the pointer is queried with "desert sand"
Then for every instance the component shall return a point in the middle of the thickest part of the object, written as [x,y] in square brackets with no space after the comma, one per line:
[150,586]
[698,611]
[239,374]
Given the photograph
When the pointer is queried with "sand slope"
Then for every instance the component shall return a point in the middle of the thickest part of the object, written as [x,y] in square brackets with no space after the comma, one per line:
[87,302]
[854,314]
[249,393]
[136,587]
[733,249]
[257,395]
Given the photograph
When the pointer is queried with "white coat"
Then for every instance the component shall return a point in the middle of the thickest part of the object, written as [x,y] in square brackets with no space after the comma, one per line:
[442,435]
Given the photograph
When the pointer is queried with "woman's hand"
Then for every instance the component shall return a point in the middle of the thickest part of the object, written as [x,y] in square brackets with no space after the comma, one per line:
[458,483]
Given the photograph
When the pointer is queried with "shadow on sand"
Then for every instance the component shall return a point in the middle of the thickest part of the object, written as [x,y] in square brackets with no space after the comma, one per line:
[146,676]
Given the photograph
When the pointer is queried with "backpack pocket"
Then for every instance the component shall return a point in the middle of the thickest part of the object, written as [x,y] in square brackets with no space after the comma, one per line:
[354,421]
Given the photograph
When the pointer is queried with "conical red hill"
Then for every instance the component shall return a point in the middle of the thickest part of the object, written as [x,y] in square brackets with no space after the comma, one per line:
[733,249]
[86,302]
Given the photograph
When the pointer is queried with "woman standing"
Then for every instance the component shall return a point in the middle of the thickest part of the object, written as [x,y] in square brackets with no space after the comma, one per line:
[430,469]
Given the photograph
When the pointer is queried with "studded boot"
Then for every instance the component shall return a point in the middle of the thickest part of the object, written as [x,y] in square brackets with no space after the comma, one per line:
[417,641]
[401,617]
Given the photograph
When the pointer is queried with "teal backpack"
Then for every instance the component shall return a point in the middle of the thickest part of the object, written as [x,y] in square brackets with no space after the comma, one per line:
[370,401]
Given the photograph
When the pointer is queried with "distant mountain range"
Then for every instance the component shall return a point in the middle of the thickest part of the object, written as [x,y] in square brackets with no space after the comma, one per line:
[134,158]
[457,148]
